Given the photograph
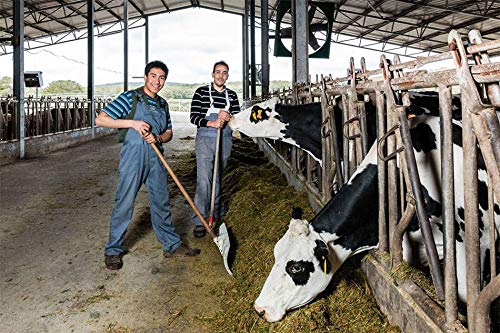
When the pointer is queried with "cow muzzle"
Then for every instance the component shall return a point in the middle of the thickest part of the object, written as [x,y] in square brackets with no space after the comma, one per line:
[261,312]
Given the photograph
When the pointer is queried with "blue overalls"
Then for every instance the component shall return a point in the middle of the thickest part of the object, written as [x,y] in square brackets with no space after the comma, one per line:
[205,153]
[139,164]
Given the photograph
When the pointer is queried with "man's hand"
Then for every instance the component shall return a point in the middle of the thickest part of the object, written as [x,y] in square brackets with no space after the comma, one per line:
[217,123]
[151,138]
[224,115]
[141,127]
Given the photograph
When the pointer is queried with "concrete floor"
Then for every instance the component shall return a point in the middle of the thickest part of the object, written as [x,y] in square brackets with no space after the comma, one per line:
[54,213]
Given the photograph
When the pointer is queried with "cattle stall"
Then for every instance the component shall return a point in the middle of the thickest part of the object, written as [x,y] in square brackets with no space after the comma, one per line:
[381,98]
[46,115]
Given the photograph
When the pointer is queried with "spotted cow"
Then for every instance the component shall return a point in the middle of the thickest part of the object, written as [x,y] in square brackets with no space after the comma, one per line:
[310,252]
[298,125]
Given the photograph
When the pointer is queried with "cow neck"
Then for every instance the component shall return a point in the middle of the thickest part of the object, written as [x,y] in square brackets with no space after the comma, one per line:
[350,218]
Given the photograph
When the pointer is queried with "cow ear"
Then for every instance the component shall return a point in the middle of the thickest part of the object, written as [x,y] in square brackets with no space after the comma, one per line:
[299,227]
[297,213]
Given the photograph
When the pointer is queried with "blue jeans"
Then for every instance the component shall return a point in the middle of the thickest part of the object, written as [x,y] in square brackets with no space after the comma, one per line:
[205,153]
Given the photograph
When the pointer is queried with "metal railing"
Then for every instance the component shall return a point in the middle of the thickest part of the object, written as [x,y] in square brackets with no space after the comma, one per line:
[46,115]
[400,196]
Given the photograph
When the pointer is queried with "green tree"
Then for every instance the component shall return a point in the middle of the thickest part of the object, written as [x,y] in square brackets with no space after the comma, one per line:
[64,87]
[5,85]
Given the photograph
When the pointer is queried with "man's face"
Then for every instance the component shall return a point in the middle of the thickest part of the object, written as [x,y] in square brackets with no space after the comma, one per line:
[154,81]
[220,75]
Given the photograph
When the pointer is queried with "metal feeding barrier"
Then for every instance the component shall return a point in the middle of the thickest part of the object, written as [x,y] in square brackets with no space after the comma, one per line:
[477,78]
[46,115]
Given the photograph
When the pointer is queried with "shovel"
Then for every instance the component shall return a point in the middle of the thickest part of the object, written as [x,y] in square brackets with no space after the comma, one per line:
[222,241]
[214,178]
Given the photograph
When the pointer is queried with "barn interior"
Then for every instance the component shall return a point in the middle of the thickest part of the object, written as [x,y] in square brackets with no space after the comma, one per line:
[55,196]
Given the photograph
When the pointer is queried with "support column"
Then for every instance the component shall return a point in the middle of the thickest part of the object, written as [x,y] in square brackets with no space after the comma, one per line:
[264,29]
[18,43]
[245,51]
[90,64]
[125,45]
[146,39]
[300,60]
[253,76]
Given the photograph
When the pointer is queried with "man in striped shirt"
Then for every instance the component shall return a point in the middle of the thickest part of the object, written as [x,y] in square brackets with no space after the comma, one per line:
[146,115]
[211,108]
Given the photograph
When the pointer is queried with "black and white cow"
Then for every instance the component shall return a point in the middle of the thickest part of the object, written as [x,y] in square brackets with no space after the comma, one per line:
[309,253]
[298,125]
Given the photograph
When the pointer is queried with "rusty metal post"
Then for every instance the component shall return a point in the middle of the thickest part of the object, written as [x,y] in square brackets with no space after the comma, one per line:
[430,245]
[392,193]
[482,321]
[382,178]
[345,109]
[448,197]
[471,215]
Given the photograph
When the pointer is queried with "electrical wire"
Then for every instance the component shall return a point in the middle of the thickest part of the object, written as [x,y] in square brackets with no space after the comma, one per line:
[73,60]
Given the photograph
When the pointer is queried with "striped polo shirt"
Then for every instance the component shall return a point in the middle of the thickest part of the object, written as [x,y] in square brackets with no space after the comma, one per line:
[201,103]
[122,106]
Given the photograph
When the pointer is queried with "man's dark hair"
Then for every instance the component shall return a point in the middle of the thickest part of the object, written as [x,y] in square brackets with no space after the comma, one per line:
[156,64]
[222,62]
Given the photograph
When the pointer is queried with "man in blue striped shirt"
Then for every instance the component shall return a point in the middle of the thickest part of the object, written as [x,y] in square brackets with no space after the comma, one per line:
[211,107]
[147,115]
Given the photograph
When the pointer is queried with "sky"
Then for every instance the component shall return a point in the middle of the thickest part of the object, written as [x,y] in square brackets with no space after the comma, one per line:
[189,41]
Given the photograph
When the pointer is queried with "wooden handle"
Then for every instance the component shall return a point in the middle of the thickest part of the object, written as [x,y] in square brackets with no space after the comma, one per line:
[214,177]
[183,190]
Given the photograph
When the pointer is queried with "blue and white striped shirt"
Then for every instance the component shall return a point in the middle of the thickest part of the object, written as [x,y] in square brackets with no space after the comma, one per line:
[122,106]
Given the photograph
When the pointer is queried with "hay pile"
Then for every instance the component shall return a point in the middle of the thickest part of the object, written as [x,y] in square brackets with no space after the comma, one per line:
[259,205]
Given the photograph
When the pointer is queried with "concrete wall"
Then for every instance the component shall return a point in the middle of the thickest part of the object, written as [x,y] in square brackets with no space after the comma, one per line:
[36,146]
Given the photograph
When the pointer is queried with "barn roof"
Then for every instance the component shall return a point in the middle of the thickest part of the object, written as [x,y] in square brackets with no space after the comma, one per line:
[404,27]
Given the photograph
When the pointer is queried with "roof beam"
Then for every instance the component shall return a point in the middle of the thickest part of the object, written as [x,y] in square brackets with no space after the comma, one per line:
[456,27]
[452,10]
[108,9]
[426,23]
[50,16]
[34,26]
[360,16]
[76,10]
[401,14]
[165,5]
[136,8]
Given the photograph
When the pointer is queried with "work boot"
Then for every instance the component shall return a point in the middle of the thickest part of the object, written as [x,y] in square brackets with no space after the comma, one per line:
[182,251]
[199,231]
[113,262]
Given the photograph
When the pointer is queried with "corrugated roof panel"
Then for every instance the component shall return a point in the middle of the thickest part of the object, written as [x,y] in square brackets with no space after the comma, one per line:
[423,25]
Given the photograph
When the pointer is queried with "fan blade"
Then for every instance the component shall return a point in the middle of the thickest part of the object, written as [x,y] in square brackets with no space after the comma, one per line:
[311,12]
[313,42]
[318,27]
[286,32]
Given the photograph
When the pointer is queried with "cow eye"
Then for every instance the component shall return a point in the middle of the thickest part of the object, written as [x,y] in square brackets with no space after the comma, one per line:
[296,268]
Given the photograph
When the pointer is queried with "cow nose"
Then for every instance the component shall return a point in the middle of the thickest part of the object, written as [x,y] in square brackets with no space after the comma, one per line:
[260,311]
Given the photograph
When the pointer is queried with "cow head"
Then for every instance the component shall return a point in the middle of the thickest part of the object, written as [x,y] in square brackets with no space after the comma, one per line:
[259,120]
[302,269]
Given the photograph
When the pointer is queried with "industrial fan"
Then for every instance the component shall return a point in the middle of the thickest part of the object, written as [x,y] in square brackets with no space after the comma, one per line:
[320,17]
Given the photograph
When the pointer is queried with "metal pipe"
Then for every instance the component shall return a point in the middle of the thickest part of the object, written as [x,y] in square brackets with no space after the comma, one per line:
[253,75]
[482,319]
[90,64]
[125,45]
[447,193]
[264,30]
[382,178]
[471,214]
[425,227]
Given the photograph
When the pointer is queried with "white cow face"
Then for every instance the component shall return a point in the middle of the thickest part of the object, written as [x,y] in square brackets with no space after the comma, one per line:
[259,120]
[302,270]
